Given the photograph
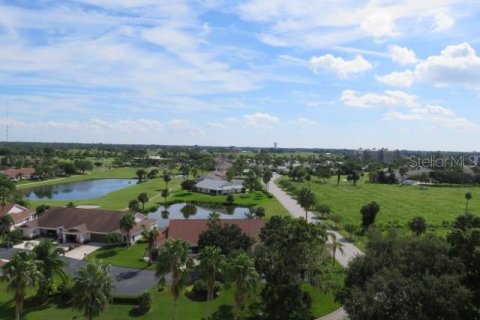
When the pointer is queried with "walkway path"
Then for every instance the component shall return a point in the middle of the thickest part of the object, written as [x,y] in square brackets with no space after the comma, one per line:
[349,250]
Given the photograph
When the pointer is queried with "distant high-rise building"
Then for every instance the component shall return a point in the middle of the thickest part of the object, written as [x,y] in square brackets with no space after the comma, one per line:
[382,155]
[275,145]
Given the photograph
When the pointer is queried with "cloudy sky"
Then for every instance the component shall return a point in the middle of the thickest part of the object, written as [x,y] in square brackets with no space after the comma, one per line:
[303,73]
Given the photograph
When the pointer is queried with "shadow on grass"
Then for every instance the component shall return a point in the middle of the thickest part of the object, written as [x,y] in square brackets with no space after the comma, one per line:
[106,254]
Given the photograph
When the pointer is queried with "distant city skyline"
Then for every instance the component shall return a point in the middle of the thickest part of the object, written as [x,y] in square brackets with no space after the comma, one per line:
[401,74]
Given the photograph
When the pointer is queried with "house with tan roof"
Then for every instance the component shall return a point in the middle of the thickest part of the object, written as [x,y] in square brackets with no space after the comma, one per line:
[83,225]
[19,214]
[189,230]
[19,174]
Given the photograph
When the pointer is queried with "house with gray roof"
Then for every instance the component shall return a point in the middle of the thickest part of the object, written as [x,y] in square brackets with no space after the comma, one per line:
[218,187]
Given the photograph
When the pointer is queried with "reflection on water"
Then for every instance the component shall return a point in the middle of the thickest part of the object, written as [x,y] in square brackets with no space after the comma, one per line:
[77,190]
[192,211]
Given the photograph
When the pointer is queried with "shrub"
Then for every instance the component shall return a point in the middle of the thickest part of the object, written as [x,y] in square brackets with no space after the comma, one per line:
[198,292]
[15,236]
[188,185]
[145,302]
[230,199]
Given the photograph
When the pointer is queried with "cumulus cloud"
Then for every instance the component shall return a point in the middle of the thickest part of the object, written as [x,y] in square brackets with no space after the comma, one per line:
[389,98]
[402,55]
[260,120]
[455,65]
[343,68]
[408,108]
[397,79]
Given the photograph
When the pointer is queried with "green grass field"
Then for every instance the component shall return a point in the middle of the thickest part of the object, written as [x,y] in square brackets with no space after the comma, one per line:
[323,303]
[118,200]
[439,205]
[119,256]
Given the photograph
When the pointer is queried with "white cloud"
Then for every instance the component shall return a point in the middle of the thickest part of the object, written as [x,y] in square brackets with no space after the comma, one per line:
[260,120]
[449,121]
[217,125]
[379,25]
[456,65]
[389,98]
[179,124]
[305,121]
[343,68]
[442,21]
[402,55]
[397,79]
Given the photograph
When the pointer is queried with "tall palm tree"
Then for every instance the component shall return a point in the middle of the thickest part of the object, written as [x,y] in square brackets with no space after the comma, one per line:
[51,265]
[22,272]
[150,236]
[6,223]
[211,261]
[267,176]
[468,197]
[165,194]
[93,289]
[127,223]
[306,199]
[241,274]
[173,258]
[167,178]
[335,245]
[143,197]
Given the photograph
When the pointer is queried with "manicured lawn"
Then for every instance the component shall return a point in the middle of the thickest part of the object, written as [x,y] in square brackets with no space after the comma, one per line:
[439,205]
[257,198]
[119,256]
[162,307]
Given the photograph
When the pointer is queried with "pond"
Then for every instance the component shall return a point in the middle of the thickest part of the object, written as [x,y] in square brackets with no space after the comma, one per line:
[182,211]
[77,190]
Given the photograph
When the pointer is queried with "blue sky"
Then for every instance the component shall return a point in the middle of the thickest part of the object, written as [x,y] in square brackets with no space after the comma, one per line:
[303,73]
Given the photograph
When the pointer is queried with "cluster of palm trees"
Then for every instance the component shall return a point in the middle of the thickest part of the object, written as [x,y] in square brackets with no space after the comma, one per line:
[239,272]
[39,267]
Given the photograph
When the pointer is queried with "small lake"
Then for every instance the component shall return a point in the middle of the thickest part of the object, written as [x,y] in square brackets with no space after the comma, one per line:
[178,211]
[77,190]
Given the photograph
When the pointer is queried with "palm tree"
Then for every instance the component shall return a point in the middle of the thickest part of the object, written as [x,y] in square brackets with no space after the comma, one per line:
[133,205]
[6,223]
[165,194]
[22,272]
[143,197]
[167,178]
[150,236]
[93,289]
[173,258]
[211,260]
[51,265]
[267,176]
[306,199]
[241,274]
[468,197]
[141,174]
[214,217]
[335,245]
[127,223]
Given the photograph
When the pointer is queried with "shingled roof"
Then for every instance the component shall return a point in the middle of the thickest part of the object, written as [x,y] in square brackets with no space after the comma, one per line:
[17,212]
[87,220]
[189,230]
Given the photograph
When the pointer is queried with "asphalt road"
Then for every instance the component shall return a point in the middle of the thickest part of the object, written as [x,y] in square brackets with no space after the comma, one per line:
[350,251]
[127,281]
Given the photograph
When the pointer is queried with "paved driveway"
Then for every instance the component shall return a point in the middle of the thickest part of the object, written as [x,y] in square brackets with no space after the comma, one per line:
[84,250]
[127,281]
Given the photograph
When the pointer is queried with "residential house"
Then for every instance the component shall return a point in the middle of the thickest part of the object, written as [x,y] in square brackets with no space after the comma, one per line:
[83,225]
[19,174]
[219,187]
[19,214]
[189,230]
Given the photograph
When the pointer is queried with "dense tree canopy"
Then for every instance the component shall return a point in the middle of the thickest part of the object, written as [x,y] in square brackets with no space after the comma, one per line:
[406,278]
[227,237]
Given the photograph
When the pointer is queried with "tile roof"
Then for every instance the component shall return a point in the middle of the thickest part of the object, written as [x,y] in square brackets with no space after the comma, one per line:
[87,220]
[17,215]
[12,173]
[189,230]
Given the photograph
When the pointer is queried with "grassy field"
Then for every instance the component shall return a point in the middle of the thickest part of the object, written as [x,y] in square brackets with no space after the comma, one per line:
[118,256]
[118,200]
[439,205]
[323,303]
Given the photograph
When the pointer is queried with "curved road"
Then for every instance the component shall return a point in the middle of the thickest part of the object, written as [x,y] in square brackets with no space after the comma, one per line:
[349,250]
